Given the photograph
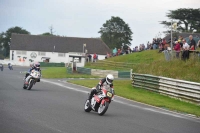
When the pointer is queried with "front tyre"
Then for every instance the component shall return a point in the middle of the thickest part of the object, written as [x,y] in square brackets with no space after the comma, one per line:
[87,107]
[103,108]
[30,85]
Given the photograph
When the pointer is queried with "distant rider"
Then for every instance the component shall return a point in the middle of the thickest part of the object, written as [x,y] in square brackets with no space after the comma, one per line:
[35,66]
[106,83]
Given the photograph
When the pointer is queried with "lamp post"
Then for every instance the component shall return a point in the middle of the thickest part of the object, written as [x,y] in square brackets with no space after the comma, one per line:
[171,36]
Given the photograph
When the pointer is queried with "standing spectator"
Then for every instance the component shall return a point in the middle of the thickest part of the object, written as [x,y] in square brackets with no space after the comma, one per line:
[185,54]
[108,55]
[148,45]
[118,52]
[154,46]
[180,40]
[192,43]
[94,57]
[114,51]
[133,49]
[164,42]
[177,49]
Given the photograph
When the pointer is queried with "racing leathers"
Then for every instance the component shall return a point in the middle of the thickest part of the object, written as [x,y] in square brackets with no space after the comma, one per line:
[102,83]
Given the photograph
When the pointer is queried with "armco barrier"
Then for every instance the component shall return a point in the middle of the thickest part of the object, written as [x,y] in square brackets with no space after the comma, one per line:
[185,90]
[101,73]
[123,74]
[84,70]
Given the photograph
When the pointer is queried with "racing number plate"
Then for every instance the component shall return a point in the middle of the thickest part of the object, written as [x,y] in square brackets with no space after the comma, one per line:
[109,94]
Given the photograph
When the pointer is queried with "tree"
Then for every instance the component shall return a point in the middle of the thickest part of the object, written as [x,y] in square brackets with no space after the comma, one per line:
[187,19]
[5,38]
[115,32]
[46,34]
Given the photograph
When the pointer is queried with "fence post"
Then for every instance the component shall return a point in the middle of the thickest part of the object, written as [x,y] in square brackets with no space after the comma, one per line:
[131,74]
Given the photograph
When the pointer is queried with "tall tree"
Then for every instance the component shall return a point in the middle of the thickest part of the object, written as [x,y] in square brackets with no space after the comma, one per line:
[115,32]
[5,38]
[187,19]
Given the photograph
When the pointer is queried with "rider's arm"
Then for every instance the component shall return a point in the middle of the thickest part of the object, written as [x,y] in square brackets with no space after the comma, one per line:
[30,70]
[112,87]
[100,83]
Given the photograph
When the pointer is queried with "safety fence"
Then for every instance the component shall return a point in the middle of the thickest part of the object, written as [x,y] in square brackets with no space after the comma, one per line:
[100,73]
[183,90]
[192,54]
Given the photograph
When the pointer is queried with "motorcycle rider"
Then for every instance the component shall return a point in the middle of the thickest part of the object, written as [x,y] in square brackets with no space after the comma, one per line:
[106,83]
[1,66]
[35,66]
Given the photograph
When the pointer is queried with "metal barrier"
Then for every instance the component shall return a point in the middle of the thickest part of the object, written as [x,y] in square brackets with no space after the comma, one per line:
[183,90]
[84,70]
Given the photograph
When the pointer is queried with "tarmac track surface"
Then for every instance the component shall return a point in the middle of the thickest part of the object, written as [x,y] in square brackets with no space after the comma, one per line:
[54,106]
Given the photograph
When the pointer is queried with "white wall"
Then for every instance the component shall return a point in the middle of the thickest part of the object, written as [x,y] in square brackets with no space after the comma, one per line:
[100,57]
[54,58]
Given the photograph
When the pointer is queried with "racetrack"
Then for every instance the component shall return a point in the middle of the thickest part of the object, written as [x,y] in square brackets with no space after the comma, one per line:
[54,106]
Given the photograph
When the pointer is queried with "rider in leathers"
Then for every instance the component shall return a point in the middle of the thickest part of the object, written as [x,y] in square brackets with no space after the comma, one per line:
[106,83]
[35,66]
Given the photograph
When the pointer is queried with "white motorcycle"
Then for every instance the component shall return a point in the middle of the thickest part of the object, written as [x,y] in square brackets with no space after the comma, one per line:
[100,101]
[35,76]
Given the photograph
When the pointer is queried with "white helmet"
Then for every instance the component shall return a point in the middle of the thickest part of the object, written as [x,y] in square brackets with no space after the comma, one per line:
[109,78]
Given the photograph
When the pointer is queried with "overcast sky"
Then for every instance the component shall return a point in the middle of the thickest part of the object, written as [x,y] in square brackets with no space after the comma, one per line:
[83,18]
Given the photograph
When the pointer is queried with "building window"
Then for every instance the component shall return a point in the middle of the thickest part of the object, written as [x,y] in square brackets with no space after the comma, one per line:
[21,52]
[41,53]
[61,54]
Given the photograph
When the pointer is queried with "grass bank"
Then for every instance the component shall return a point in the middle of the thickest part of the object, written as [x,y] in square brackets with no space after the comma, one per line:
[154,63]
[61,72]
[124,88]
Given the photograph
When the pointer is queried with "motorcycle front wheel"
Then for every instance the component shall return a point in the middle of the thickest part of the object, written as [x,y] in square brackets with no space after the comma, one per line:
[30,85]
[103,108]
[87,107]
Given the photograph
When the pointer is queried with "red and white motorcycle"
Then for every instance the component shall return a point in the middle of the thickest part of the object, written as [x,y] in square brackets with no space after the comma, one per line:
[100,101]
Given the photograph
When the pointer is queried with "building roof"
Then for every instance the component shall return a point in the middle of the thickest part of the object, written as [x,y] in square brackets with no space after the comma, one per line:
[61,44]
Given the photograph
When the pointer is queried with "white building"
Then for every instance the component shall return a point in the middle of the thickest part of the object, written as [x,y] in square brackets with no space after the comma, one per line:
[26,49]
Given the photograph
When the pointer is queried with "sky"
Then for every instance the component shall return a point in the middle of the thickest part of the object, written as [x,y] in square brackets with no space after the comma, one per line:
[84,18]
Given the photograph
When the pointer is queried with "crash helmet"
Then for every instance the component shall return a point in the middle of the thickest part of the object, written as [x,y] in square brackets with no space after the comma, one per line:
[37,65]
[109,78]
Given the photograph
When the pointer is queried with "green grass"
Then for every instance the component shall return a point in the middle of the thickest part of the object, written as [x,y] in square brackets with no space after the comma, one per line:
[154,63]
[124,88]
[61,72]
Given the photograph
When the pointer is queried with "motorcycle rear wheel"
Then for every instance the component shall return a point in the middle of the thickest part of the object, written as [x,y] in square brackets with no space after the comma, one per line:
[87,107]
[103,108]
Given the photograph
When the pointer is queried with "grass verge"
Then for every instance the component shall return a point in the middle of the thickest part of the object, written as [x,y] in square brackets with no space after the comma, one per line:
[154,63]
[124,88]
[61,72]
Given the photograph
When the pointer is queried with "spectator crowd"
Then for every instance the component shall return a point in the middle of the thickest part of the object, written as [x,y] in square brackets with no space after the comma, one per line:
[179,44]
